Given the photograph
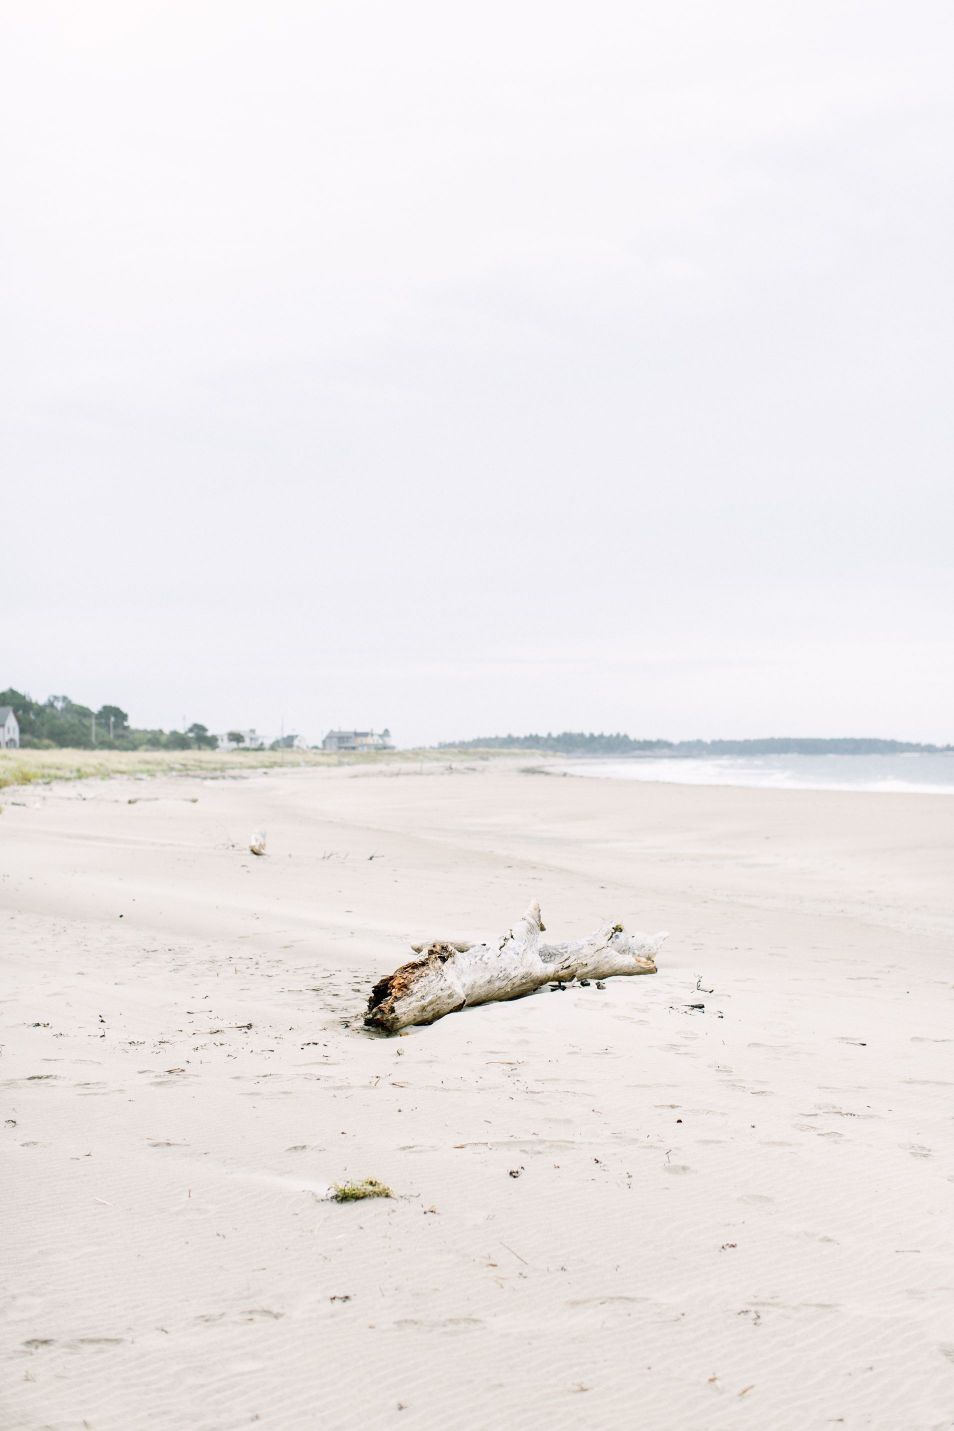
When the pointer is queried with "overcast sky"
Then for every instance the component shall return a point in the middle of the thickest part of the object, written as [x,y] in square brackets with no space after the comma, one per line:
[480,368]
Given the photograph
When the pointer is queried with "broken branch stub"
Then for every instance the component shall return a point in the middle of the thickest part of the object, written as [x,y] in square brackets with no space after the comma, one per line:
[451,976]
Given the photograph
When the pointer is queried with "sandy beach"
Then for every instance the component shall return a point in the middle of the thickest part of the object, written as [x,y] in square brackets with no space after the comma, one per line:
[611,1209]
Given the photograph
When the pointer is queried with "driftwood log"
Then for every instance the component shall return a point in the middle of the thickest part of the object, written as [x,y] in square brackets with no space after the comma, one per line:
[451,975]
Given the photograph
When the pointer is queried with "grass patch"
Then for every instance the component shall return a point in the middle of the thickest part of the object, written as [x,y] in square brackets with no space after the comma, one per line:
[27,767]
[357,1192]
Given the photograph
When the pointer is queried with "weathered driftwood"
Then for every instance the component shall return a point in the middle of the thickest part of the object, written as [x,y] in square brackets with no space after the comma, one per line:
[460,946]
[451,976]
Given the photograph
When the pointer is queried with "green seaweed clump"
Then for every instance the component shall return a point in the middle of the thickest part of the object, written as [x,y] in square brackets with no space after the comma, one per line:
[355,1192]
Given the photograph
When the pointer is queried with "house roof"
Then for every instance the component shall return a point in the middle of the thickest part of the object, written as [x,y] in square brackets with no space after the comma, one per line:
[6,711]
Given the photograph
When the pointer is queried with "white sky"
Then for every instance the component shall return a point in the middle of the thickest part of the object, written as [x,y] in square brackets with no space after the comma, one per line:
[480,368]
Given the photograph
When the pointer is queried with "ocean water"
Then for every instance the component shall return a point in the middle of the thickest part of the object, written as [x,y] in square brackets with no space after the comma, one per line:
[915,774]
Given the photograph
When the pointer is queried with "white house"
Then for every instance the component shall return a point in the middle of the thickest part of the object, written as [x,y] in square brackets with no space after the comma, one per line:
[9,728]
[357,740]
[250,740]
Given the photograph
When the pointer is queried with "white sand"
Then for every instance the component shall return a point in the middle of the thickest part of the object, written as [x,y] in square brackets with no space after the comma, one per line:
[721,1222]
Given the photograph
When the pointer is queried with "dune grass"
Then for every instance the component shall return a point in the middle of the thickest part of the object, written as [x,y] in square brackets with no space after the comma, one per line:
[26,767]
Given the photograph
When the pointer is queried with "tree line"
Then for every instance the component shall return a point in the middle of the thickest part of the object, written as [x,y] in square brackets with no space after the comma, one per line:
[570,742]
[61,722]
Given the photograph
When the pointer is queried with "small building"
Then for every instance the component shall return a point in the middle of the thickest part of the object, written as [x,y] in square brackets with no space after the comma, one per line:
[357,740]
[289,742]
[240,740]
[9,728]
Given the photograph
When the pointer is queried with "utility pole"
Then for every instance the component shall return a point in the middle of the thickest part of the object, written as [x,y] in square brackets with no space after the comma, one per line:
[93,722]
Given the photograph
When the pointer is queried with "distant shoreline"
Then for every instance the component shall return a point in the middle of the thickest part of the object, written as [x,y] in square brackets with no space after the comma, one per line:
[676,754]
[578,744]
[893,772]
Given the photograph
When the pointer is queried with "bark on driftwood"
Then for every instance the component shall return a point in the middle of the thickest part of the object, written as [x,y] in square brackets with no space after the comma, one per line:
[450,975]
